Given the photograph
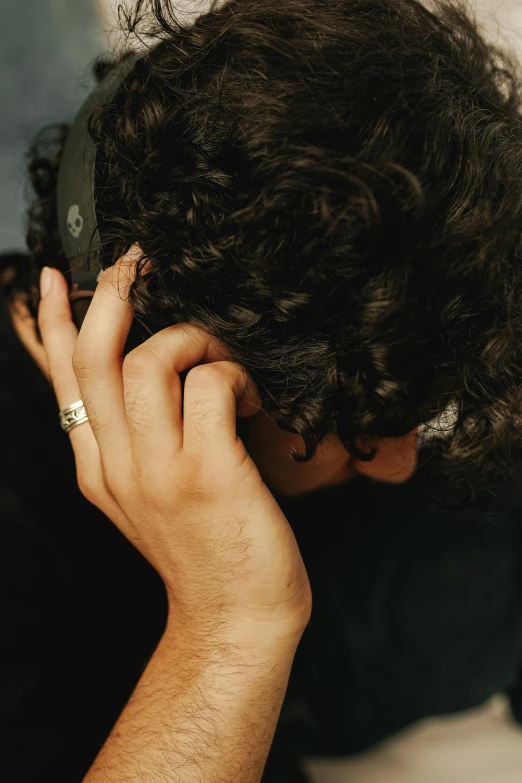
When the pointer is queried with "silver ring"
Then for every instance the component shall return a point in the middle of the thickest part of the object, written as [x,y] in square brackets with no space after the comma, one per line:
[72,416]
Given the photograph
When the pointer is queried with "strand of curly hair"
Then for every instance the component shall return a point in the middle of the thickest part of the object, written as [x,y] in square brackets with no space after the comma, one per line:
[334,190]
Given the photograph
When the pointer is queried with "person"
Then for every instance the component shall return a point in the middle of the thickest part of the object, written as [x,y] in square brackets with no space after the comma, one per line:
[326,191]
[208,701]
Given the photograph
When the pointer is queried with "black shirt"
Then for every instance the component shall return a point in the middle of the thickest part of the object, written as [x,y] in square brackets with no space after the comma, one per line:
[415,612]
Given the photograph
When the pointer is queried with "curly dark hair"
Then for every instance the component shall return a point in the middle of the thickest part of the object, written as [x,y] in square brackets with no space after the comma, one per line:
[334,191]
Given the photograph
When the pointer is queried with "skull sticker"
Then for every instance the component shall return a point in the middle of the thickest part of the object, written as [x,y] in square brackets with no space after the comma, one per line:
[74,221]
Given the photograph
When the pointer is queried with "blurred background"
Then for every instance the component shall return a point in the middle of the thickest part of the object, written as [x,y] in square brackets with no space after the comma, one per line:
[46,49]
[45,52]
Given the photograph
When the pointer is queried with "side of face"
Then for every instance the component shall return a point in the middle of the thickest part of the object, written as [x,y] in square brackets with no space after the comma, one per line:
[269,447]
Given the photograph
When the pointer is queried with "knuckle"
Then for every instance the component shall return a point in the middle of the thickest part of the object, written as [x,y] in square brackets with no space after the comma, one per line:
[140,362]
[84,365]
[87,487]
[205,410]
[204,375]
[120,478]
[111,481]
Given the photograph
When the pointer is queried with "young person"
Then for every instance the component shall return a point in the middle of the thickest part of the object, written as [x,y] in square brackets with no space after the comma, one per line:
[327,191]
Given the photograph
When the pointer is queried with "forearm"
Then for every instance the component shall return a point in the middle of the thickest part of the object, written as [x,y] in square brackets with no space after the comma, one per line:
[203,710]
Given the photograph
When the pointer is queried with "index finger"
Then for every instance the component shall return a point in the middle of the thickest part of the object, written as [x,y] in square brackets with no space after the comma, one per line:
[98,358]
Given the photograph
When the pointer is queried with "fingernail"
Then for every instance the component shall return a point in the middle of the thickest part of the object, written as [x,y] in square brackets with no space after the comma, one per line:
[46,279]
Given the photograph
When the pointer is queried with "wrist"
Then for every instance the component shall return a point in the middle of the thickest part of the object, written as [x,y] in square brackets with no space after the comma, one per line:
[260,625]
[234,637]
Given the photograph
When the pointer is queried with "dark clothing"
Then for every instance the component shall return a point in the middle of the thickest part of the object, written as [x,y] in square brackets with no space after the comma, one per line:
[415,613]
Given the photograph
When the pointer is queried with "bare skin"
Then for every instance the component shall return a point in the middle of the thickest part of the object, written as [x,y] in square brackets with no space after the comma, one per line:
[269,446]
[163,462]
[208,702]
[24,327]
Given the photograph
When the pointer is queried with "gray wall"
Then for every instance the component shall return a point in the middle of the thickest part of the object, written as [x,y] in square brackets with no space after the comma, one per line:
[45,50]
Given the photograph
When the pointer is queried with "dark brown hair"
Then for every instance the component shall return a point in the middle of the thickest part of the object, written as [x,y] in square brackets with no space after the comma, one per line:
[334,190]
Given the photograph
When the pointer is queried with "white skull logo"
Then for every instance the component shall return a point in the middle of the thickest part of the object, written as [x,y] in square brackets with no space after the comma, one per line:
[74,221]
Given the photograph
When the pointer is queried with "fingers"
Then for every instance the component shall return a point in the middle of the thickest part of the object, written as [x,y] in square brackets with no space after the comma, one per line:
[135,407]
[98,359]
[152,392]
[158,423]
[210,404]
[59,336]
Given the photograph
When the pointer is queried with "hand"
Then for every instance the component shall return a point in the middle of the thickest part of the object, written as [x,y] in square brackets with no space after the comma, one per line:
[24,326]
[172,473]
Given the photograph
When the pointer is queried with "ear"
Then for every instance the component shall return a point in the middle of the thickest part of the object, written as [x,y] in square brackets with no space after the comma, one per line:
[395,461]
